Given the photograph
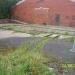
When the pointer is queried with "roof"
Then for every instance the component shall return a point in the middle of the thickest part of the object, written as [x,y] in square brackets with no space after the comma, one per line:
[20,2]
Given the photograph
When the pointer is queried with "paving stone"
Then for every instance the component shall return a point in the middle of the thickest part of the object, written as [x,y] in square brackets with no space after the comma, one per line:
[7,34]
[22,35]
[64,36]
[42,35]
[54,35]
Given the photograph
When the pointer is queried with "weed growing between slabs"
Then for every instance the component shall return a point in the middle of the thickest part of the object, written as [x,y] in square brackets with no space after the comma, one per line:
[26,60]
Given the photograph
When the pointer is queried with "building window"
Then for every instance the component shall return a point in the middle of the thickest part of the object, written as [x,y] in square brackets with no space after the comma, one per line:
[57,19]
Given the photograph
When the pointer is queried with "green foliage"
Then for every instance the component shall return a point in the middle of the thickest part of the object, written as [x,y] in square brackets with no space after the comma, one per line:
[21,28]
[70,40]
[5,7]
[2,69]
[26,60]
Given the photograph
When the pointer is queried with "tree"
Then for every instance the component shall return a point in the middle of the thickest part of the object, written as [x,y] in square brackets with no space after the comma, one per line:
[5,6]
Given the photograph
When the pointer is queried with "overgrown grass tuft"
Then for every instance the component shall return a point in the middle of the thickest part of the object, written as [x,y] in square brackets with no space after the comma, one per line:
[71,40]
[26,60]
[22,29]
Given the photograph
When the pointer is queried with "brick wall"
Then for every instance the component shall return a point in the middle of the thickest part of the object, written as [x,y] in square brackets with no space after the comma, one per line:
[60,12]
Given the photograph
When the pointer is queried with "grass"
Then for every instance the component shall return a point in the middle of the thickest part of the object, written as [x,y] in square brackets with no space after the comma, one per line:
[26,60]
[70,40]
[18,28]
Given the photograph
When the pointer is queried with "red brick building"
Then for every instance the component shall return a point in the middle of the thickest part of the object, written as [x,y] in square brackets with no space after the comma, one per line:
[52,12]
